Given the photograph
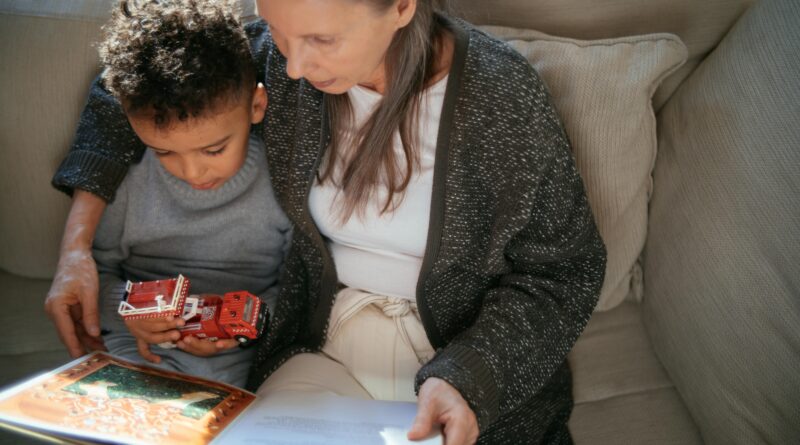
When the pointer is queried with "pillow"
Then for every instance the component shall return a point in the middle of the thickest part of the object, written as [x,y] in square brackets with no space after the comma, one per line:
[603,90]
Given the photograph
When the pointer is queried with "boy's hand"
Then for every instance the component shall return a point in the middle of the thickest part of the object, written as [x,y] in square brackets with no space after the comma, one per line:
[154,331]
[205,348]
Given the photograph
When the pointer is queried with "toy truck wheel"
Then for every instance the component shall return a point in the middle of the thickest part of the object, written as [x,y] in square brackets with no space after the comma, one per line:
[241,339]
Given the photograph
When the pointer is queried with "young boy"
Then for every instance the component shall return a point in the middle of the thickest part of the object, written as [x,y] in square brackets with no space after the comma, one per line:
[200,201]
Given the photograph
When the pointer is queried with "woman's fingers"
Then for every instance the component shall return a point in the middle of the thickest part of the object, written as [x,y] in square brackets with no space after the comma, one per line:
[439,402]
[72,302]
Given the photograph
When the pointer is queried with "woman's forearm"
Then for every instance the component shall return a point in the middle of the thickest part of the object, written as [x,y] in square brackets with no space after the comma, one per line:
[84,217]
[72,300]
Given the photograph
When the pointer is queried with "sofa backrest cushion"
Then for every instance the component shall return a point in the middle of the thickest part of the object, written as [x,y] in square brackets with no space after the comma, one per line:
[602,90]
[699,24]
[722,261]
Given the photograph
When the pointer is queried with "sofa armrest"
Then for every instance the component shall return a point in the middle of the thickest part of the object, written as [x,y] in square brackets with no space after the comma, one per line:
[721,281]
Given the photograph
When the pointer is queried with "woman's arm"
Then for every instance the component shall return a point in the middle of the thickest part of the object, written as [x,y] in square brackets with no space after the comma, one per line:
[72,300]
[555,264]
[103,148]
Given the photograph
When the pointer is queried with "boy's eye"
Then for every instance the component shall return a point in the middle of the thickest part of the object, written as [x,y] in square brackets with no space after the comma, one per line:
[216,151]
[160,152]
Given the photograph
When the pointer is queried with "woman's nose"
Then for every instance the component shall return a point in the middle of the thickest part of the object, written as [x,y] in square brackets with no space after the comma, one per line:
[296,61]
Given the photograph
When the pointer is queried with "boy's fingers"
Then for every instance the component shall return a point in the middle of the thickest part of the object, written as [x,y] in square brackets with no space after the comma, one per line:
[144,351]
[156,325]
[158,337]
[223,345]
[204,348]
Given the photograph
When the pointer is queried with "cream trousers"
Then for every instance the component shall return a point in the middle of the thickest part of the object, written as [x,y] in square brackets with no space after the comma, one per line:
[375,346]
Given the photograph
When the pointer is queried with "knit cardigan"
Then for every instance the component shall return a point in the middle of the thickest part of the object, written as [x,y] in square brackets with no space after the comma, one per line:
[513,265]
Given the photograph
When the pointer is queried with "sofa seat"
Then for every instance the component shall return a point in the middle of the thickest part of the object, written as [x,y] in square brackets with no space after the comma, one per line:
[617,378]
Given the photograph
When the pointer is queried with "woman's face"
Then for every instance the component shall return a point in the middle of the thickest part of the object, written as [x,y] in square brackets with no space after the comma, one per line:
[335,44]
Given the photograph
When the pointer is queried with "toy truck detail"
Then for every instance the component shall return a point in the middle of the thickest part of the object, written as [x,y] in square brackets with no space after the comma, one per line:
[239,315]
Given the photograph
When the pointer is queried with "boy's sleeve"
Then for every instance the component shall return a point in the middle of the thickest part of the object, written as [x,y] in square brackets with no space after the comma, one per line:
[108,249]
[103,149]
[271,295]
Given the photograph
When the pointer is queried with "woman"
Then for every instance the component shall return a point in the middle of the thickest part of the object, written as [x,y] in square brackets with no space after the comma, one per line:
[439,220]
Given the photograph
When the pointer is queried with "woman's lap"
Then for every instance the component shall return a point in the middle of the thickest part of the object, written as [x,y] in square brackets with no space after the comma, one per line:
[374,350]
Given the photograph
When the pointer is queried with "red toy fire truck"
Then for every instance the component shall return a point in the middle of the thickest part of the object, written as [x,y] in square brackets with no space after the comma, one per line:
[239,315]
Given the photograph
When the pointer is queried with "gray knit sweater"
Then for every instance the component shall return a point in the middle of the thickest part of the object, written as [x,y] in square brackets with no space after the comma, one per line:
[514,262]
[231,238]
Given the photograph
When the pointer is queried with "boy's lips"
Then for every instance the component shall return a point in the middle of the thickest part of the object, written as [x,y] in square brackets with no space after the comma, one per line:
[204,186]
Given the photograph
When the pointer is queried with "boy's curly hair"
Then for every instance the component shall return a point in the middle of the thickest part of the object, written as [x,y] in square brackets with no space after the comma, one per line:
[176,59]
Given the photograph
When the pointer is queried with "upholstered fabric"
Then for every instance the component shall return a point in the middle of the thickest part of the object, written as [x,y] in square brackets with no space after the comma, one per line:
[722,300]
[622,393]
[700,24]
[602,90]
[44,76]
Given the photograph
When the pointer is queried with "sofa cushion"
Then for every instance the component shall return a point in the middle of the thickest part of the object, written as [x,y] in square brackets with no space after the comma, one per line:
[699,24]
[722,301]
[26,327]
[602,90]
[622,393]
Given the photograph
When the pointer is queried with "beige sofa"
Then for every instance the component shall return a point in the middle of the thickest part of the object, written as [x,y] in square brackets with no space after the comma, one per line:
[705,346]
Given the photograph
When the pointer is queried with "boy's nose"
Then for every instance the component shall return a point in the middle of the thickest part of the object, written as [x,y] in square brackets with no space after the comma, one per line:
[192,171]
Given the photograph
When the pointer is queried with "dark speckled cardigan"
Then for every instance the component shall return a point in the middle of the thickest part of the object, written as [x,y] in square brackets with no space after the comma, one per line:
[513,264]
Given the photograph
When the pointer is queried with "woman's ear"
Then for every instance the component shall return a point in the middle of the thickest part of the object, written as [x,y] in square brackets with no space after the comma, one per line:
[405,12]
[259,106]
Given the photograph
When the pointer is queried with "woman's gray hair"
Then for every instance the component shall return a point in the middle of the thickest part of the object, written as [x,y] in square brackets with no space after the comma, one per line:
[371,162]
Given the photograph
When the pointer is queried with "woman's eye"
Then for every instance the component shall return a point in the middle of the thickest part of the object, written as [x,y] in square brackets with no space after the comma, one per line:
[323,40]
[160,152]
[215,152]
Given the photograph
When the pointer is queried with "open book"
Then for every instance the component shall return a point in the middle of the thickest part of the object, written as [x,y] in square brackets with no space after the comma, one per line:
[100,398]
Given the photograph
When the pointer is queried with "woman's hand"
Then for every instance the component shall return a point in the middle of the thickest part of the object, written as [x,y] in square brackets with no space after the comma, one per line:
[72,300]
[439,402]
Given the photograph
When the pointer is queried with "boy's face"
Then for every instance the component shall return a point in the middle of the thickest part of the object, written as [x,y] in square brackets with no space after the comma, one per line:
[207,151]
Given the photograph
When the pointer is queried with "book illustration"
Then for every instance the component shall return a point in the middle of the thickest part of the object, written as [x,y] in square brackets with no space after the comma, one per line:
[109,399]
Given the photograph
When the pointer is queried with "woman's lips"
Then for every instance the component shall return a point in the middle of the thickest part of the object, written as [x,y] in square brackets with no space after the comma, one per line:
[321,85]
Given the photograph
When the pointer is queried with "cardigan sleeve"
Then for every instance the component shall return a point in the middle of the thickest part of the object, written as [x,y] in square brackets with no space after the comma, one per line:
[103,148]
[105,145]
[555,261]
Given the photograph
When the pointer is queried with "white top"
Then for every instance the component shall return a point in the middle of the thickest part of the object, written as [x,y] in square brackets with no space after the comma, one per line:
[383,253]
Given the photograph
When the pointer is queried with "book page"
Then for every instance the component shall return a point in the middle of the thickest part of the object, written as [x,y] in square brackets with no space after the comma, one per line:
[307,418]
[102,398]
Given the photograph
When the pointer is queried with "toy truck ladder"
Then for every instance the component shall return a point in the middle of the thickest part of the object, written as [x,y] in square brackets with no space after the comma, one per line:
[154,298]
